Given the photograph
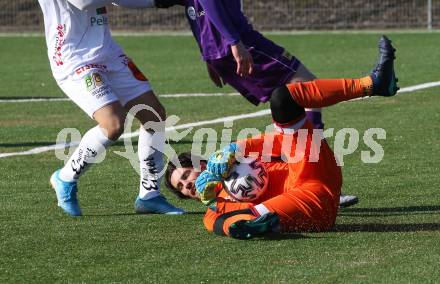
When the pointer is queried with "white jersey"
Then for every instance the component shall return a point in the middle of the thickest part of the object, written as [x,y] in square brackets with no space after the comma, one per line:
[76,37]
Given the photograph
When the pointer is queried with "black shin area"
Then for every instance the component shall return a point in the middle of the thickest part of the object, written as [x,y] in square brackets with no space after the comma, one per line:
[284,108]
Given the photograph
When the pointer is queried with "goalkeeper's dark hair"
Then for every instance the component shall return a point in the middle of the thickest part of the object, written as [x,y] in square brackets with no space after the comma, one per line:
[186,161]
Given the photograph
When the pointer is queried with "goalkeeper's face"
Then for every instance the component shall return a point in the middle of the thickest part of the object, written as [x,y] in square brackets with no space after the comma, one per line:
[183,179]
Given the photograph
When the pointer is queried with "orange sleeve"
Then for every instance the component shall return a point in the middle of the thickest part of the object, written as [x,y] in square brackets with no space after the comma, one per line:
[218,219]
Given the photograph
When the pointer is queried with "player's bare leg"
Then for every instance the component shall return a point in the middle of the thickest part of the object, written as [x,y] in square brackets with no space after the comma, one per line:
[111,119]
[150,112]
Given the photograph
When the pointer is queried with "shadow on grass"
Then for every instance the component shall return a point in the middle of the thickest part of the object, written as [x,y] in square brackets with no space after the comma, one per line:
[110,215]
[286,236]
[390,211]
[375,227]
[26,144]
[6,98]
[133,213]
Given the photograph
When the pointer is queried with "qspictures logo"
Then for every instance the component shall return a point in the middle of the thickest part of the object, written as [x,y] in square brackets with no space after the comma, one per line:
[305,144]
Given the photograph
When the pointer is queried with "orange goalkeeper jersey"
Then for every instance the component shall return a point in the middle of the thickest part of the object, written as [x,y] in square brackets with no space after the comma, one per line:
[304,184]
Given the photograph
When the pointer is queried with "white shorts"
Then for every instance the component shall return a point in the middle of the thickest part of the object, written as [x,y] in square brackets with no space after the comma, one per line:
[94,86]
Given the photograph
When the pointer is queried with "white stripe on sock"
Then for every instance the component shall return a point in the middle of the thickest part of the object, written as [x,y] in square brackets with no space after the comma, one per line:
[261,209]
[291,129]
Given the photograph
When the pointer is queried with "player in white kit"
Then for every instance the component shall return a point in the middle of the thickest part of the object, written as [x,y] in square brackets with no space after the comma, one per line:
[94,72]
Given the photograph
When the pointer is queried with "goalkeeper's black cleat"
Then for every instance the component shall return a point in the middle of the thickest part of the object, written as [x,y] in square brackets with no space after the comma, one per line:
[383,76]
[245,230]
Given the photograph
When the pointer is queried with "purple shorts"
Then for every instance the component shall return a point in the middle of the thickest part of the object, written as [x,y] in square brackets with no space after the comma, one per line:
[269,73]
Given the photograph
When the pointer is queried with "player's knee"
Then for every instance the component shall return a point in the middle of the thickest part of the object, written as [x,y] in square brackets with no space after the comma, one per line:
[283,107]
[115,132]
[114,127]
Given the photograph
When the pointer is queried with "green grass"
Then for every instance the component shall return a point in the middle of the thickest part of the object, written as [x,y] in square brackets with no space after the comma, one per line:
[390,237]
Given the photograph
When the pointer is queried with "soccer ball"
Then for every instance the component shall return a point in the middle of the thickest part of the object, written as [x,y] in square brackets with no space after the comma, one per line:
[247,180]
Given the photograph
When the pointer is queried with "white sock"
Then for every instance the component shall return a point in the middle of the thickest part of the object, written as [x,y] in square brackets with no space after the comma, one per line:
[92,145]
[261,209]
[150,148]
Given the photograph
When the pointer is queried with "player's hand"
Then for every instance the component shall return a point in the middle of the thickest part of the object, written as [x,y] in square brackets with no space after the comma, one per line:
[208,185]
[214,77]
[221,162]
[168,3]
[245,63]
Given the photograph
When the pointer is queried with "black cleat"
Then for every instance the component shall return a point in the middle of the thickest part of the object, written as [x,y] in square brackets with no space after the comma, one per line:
[383,76]
[245,230]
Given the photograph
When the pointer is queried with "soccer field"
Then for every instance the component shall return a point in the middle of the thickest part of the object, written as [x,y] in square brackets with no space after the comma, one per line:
[391,236]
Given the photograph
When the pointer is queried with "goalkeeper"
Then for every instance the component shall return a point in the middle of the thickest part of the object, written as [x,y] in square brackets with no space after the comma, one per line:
[238,55]
[301,195]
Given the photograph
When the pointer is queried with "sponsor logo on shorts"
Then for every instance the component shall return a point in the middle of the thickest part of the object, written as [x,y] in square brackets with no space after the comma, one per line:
[97,78]
[133,68]
[136,72]
[124,59]
[93,81]
[96,86]
[86,67]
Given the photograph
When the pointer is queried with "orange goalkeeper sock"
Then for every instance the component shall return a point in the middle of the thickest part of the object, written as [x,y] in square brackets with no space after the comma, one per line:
[323,93]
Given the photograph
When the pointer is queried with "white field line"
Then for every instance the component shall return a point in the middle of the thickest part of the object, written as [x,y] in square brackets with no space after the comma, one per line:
[419,87]
[183,95]
[198,95]
[193,124]
[34,100]
[162,96]
[39,150]
[407,89]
